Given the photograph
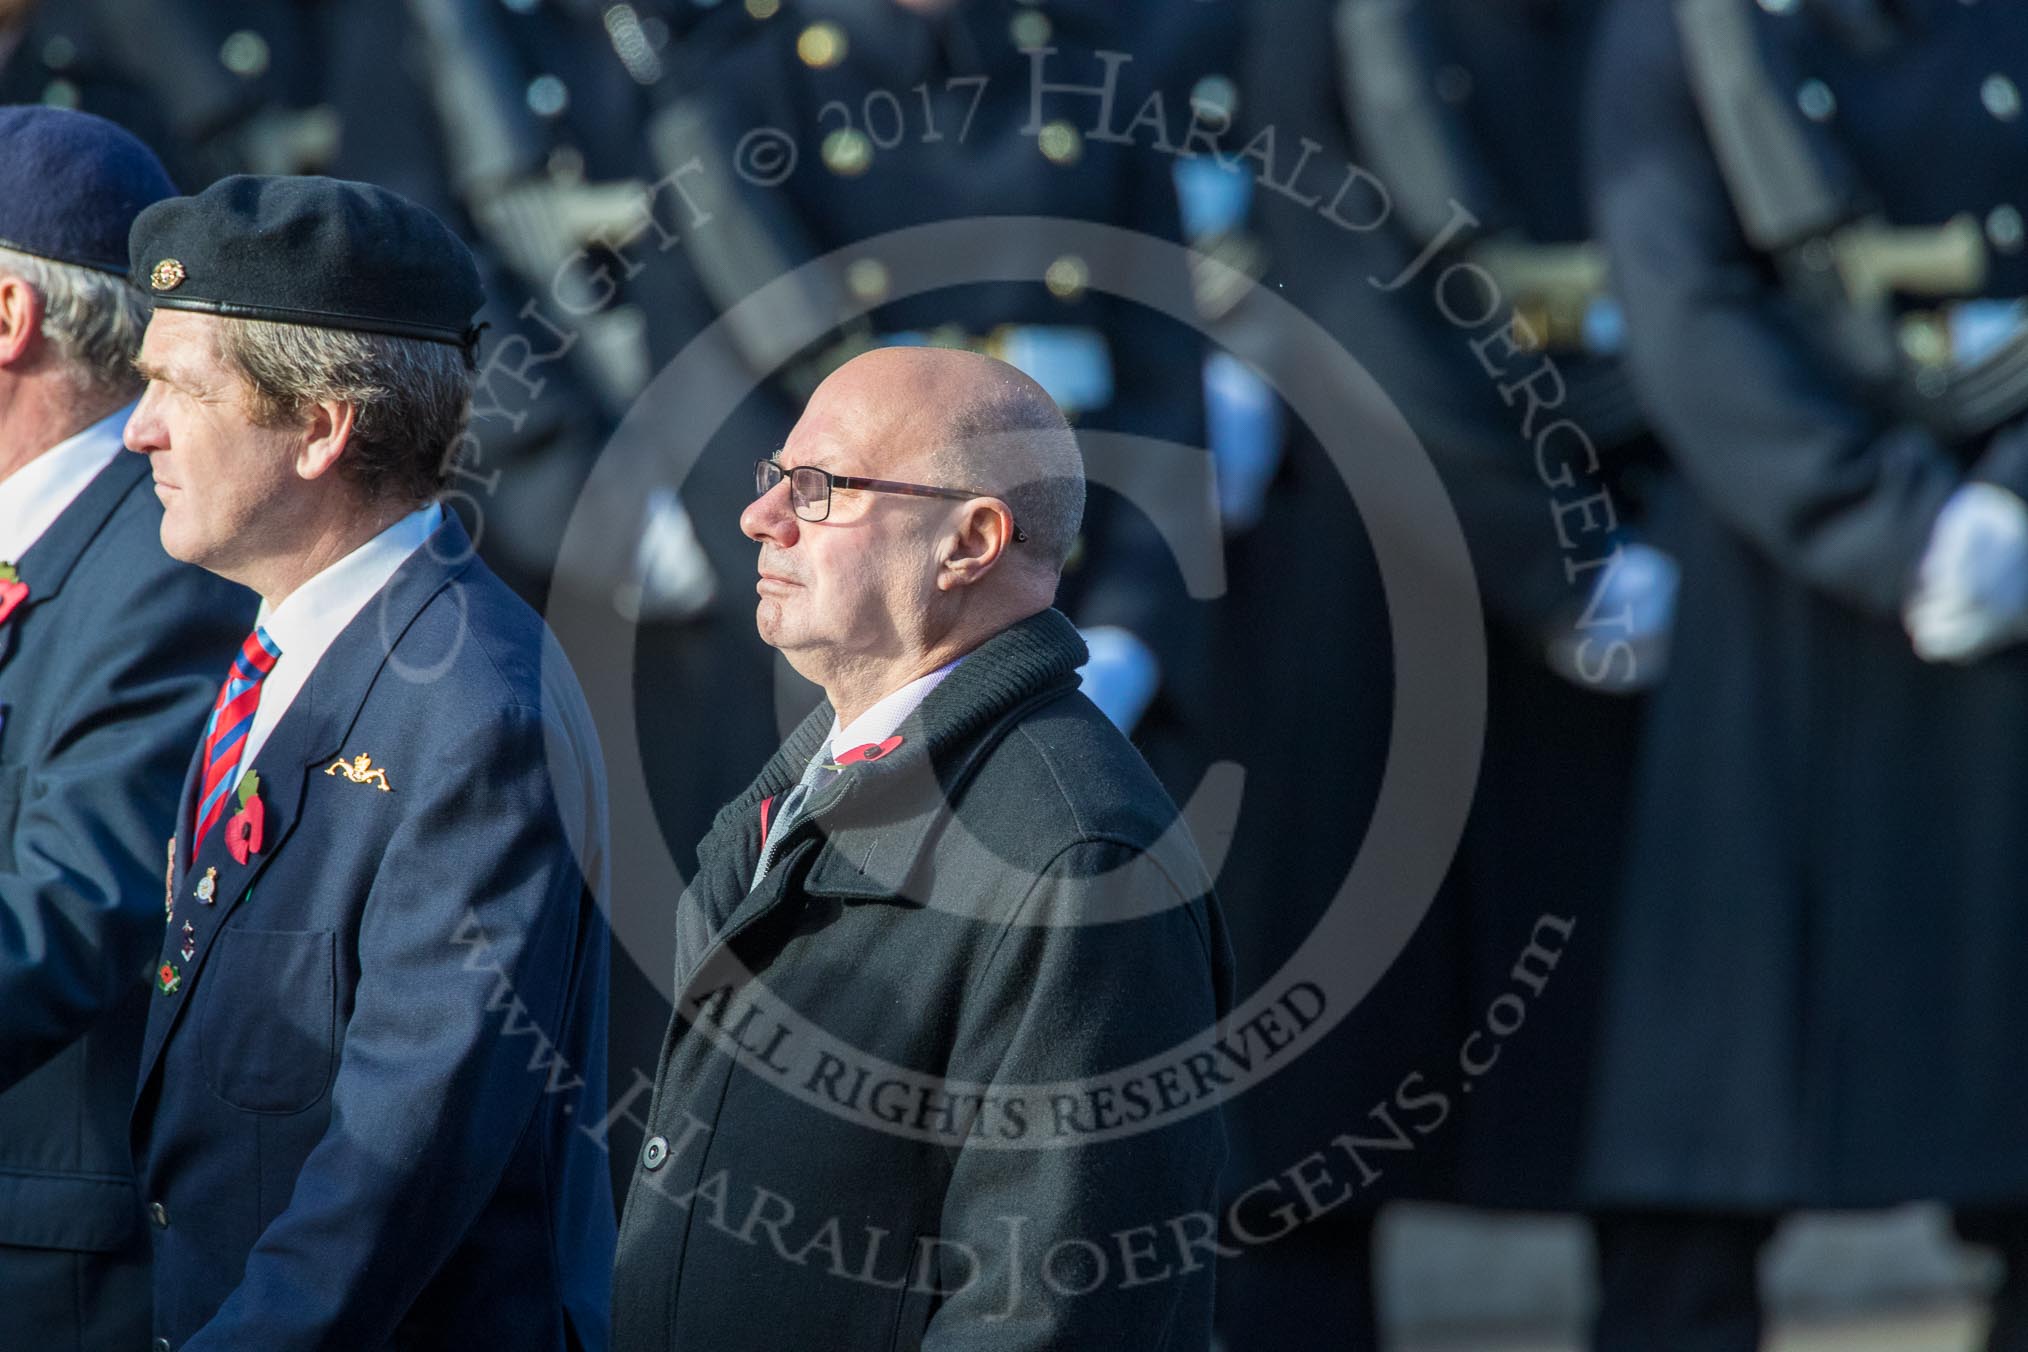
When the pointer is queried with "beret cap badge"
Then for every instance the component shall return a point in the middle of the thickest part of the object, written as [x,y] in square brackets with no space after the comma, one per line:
[167,276]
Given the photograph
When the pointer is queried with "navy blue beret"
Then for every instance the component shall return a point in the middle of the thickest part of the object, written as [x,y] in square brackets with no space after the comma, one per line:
[71,185]
[316,251]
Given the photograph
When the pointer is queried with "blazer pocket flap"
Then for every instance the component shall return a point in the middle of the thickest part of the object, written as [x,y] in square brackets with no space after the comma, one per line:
[91,1213]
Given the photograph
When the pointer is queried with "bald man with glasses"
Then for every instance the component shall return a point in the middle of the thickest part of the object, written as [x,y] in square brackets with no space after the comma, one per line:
[956,882]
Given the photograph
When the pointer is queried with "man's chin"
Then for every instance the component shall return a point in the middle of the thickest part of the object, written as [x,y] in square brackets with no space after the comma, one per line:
[173,543]
[778,632]
[768,621]
[181,545]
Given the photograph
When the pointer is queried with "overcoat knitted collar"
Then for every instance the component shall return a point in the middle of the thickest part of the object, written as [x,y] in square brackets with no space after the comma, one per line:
[877,817]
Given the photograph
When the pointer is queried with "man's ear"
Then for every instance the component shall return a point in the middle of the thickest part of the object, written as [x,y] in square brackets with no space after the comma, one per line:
[21,313]
[980,532]
[329,432]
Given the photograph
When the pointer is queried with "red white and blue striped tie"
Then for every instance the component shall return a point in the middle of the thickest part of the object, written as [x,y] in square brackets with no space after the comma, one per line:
[225,734]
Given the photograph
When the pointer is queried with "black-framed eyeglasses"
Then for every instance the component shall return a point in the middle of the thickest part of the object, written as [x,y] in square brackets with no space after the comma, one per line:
[810,490]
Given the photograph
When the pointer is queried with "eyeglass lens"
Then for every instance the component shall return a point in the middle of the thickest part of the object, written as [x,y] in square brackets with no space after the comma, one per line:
[809,488]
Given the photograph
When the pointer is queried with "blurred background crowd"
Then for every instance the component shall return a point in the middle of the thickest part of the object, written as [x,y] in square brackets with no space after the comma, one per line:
[1705,314]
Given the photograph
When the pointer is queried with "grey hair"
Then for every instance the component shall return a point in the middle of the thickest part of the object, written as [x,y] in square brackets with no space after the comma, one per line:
[411,397]
[1011,423]
[93,319]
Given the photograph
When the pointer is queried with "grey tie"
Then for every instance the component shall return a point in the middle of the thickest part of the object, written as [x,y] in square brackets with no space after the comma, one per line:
[790,810]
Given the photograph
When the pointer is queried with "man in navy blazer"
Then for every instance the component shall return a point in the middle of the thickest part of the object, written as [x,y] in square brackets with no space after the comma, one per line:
[109,656]
[379,1017]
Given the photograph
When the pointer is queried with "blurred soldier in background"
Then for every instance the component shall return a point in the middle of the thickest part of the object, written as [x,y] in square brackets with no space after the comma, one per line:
[55,53]
[517,121]
[540,109]
[1454,262]
[903,112]
[1814,211]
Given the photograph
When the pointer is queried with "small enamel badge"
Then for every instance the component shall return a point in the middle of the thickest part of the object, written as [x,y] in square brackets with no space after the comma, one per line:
[243,828]
[359,770]
[189,949]
[168,978]
[207,886]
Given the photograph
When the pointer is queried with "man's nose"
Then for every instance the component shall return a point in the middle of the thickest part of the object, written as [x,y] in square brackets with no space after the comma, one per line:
[144,430]
[771,518]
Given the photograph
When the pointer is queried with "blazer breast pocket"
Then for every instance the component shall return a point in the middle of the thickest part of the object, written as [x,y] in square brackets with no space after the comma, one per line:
[267,1034]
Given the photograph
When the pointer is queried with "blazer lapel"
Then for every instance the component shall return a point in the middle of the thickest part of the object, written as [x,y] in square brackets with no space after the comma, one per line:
[186,814]
[308,737]
[48,563]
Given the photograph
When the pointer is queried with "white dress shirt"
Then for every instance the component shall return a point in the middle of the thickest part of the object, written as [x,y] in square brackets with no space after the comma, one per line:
[878,723]
[305,626]
[34,496]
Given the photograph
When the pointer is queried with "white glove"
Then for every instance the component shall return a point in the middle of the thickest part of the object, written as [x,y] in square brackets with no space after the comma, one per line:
[1122,675]
[1244,420]
[671,578]
[1619,643]
[1971,589]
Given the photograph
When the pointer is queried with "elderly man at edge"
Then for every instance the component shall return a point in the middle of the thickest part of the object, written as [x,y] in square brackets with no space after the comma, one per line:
[110,652]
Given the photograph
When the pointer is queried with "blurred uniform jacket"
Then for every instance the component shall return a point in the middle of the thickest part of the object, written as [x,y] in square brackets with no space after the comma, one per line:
[68,54]
[1477,106]
[106,672]
[1004,900]
[1819,995]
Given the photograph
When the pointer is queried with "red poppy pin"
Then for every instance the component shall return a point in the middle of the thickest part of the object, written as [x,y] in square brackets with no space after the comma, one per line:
[167,978]
[243,828]
[872,751]
[13,591]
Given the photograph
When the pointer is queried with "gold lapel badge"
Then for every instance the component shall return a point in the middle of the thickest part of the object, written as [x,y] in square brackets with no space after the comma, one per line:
[360,770]
[207,886]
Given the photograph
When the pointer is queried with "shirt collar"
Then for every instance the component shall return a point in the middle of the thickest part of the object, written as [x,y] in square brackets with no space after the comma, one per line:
[304,625]
[878,723]
[34,496]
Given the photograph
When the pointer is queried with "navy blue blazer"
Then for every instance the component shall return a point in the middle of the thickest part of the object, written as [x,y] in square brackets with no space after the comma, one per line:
[106,673]
[368,1096]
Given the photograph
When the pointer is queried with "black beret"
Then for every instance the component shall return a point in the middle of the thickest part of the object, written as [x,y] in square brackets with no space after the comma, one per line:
[316,251]
[71,184]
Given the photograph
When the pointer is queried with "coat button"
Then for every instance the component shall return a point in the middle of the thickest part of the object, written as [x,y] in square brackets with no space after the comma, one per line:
[160,1345]
[158,1214]
[654,1153]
